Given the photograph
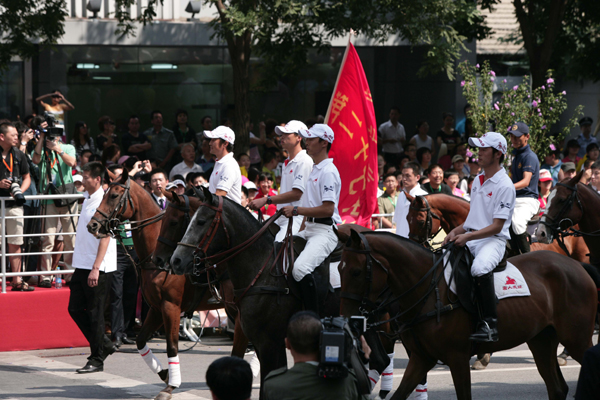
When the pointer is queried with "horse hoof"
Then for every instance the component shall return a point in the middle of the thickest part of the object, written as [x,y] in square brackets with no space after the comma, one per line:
[485,360]
[561,361]
[163,396]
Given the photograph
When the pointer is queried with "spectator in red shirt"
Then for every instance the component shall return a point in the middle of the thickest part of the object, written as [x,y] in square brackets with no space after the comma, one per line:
[265,188]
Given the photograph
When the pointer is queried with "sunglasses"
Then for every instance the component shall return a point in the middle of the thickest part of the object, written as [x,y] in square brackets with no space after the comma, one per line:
[55,96]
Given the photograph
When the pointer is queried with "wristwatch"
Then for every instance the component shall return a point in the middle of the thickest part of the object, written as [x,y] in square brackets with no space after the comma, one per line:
[295,211]
[61,153]
[269,200]
[23,143]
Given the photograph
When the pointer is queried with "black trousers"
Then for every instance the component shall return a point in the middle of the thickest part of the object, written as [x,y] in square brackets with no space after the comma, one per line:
[123,292]
[86,307]
[588,386]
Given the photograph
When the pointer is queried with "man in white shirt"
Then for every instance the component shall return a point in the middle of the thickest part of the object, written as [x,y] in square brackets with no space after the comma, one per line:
[320,211]
[93,259]
[226,178]
[294,177]
[158,182]
[392,137]
[486,229]
[188,153]
[411,174]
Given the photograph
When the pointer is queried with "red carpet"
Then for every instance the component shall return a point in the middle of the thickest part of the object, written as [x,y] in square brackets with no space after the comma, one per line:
[37,320]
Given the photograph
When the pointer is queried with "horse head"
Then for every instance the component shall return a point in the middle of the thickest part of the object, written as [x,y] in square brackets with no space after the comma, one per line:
[175,222]
[363,275]
[563,209]
[116,206]
[205,233]
[422,220]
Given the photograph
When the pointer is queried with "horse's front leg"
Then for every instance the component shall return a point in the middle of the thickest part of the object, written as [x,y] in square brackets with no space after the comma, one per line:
[153,321]
[461,375]
[171,314]
[417,368]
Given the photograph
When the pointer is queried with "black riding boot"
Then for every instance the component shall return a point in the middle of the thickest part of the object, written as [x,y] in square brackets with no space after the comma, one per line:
[519,243]
[309,293]
[487,327]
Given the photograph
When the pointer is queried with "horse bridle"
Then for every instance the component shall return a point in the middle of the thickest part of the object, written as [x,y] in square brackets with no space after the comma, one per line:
[555,223]
[111,221]
[428,223]
[186,219]
[365,303]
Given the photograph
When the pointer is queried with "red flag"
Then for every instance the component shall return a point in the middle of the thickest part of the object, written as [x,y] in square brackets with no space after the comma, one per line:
[354,150]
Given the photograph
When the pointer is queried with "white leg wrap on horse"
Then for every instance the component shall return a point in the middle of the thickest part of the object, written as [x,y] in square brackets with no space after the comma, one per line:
[174,372]
[373,378]
[255,365]
[421,392]
[150,359]
[387,377]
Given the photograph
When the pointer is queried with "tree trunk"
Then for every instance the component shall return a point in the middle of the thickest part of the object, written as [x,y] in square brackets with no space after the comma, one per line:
[239,52]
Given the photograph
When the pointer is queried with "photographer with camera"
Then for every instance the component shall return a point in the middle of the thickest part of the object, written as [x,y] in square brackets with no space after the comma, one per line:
[56,161]
[308,379]
[15,179]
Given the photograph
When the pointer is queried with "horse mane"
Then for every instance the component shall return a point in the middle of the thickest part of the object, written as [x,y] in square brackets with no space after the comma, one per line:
[253,222]
[447,195]
[413,245]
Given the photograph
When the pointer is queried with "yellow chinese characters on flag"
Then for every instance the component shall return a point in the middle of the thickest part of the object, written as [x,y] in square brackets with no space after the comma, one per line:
[354,150]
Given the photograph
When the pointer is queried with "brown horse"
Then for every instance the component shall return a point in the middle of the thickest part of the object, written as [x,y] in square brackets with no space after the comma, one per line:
[428,213]
[166,293]
[561,308]
[573,208]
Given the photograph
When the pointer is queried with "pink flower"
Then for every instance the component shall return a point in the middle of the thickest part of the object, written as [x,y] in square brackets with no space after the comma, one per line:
[477,66]
[507,105]
[515,87]
[550,81]
[462,83]
[528,96]
[496,106]
[543,87]
[556,100]
[538,110]
[471,83]
[513,114]
[534,103]
[550,108]
[469,153]
[503,80]
[552,147]
[540,114]
[564,92]
[492,73]
[492,79]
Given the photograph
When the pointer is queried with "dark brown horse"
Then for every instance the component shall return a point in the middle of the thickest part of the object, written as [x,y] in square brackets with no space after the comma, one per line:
[166,293]
[573,208]
[561,308]
[428,213]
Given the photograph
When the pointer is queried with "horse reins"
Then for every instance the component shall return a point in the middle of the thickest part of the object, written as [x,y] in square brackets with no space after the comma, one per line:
[186,219]
[428,223]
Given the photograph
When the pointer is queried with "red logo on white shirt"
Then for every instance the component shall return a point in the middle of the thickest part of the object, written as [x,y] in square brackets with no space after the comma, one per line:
[489,194]
[291,170]
[315,180]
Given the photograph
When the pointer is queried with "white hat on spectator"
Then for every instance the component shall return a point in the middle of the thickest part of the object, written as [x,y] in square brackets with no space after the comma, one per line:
[250,185]
[77,178]
[221,132]
[490,139]
[291,127]
[175,183]
[321,131]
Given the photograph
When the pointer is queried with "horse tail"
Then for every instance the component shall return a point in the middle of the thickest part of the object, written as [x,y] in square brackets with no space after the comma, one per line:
[595,275]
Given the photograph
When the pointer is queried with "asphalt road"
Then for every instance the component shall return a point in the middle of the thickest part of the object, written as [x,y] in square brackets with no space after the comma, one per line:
[50,374]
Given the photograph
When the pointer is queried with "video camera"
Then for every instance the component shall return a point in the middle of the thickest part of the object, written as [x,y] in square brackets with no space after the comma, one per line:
[339,344]
[51,131]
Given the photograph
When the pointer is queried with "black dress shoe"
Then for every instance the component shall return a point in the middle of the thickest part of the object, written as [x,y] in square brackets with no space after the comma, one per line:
[126,340]
[118,343]
[89,368]
[110,349]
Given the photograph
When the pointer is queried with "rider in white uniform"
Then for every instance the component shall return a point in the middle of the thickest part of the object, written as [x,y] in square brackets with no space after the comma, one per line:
[294,177]
[320,211]
[226,178]
[486,229]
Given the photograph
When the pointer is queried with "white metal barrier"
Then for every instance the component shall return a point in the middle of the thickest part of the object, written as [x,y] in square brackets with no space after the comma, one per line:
[5,255]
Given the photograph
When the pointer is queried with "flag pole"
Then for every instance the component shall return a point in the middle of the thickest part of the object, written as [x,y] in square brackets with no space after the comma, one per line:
[352,32]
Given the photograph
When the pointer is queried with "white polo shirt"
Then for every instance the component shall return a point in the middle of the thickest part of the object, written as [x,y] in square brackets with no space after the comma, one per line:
[86,245]
[227,176]
[295,175]
[387,130]
[494,198]
[182,169]
[324,184]
[402,208]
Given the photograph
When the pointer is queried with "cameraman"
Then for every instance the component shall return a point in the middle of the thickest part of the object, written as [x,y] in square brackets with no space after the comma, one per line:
[302,381]
[14,171]
[51,151]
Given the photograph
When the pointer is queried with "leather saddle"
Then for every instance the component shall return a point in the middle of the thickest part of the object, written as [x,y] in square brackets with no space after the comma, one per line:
[460,260]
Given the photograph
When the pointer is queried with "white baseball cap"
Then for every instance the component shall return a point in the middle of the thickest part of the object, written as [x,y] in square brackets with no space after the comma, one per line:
[490,139]
[250,185]
[175,183]
[221,132]
[321,131]
[77,178]
[291,127]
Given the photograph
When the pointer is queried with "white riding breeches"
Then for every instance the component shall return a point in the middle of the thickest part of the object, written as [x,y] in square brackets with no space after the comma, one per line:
[320,242]
[487,254]
[525,209]
[283,224]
